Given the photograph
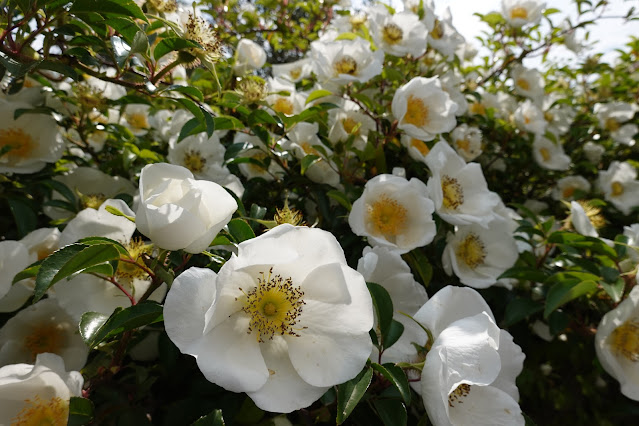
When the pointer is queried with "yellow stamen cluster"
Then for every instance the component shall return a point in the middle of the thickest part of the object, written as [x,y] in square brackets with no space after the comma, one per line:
[471,251]
[593,213]
[463,145]
[92,201]
[164,6]
[346,65]
[21,144]
[416,112]
[38,412]
[438,30]
[453,193]
[200,31]
[518,12]
[477,108]
[617,188]
[457,396]
[523,84]
[357,21]
[138,120]
[387,216]
[44,338]
[624,340]
[420,146]
[136,248]
[288,215]
[283,105]
[392,34]
[274,307]
[351,126]
[549,117]
[194,161]
[545,154]
[252,89]
[568,192]
[295,73]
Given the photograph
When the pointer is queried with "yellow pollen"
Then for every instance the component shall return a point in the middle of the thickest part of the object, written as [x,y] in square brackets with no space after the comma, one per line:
[136,249]
[357,21]
[165,6]
[463,144]
[420,146]
[387,216]
[36,412]
[92,201]
[477,108]
[392,34]
[351,126]
[452,192]
[309,150]
[612,125]
[416,112]
[44,338]
[274,307]
[21,144]
[284,106]
[617,189]
[568,192]
[545,154]
[457,396]
[518,13]
[471,251]
[438,30]
[624,340]
[548,116]
[346,65]
[295,73]
[194,161]
[137,120]
[527,119]
[523,83]
[198,30]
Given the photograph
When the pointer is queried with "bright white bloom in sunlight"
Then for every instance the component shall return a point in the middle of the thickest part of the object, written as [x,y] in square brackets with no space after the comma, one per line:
[31,141]
[38,394]
[204,157]
[417,148]
[522,12]
[444,37]
[294,318]
[620,186]
[14,257]
[423,109]
[136,118]
[400,34]
[617,344]
[344,61]
[39,328]
[451,83]
[293,71]
[580,220]
[467,141]
[167,124]
[395,213]
[303,141]
[91,187]
[558,116]
[528,82]
[249,56]
[349,121]
[593,152]
[469,373]
[550,155]
[479,255]
[178,212]
[459,190]
[290,104]
[530,118]
[611,117]
[567,186]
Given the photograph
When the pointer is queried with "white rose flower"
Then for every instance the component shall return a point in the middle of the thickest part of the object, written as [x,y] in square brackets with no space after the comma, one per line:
[566,187]
[136,118]
[444,37]
[350,121]
[522,12]
[34,139]
[559,116]
[400,34]
[479,255]
[294,318]
[593,152]
[530,118]
[620,186]
[289,105]
[249,56]
[178,212]
[528,82]
[344,61]
[293,71]
[38,394]
[550,155]
[467,141]
[39,328]
[611,117]
[395,213]
[469,372]
[632,232]
[423,109]
[617,344]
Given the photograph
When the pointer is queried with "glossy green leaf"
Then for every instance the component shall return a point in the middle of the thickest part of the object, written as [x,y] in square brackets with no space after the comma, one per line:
[420,265]
[392,412]
[23,214]
[395,331]
[614,289]
[90,323]
[350,393]
[259,116]
[228,123]
[214,418]
[307,162]
[171,44]
[397,377]
[524,273]
[29,272]
[565,291]
[110,7]
[316,94]
[383,309]
[80,411]
[341,198]
[240,230]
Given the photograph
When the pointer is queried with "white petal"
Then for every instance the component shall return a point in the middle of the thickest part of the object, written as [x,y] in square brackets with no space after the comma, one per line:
[512,362]
[489,406]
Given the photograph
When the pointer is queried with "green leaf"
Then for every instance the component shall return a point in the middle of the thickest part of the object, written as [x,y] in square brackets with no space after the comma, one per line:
[392,412]
[91,241]
[240,230]
[80,411]
[29,272]
[614,289]
[121,50]
[420,264]
[121,320]
[341,198]
[214,418]
[307,162]
[70,260]
[565,291]
[226,122]
[316,94]
[383,308]
[126,8]
[187,90]
[25,217]
[397,377]
[170,44]
[141,44]
[394,333]
[350,393]
[520,308]
[190,128]
[610,275]
[525,273]
[259,116]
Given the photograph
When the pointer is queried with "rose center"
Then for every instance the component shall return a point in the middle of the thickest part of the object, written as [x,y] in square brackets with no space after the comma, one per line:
[284,106]
[612,125]
[194,161]
[351,126]
[392,34]
[438,30]
[624,340]
[346,65]
[38,412]
[43,338]
[457,396]
[471,251]
[15,144]
[387,216]
[309,150]
[420,146]
[274,307]
[545,154]
[523,83]
[518,13]
[92,201]
[133,267]
[416,112]
[617,189]
[452,193]
[463,144]
[477,108]
[568,192]
[295,73]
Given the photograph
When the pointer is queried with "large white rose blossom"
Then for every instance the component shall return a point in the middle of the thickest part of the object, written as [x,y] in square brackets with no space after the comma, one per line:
[178,212]
[399,34]
[519,13]
[620,186]
[344,61]
[283,320]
